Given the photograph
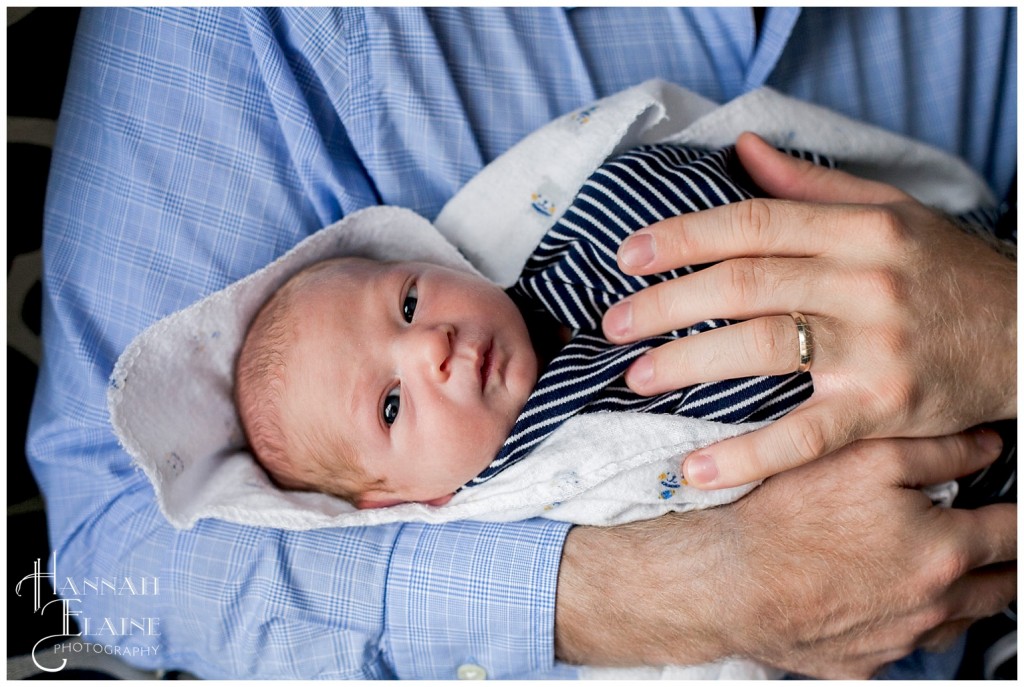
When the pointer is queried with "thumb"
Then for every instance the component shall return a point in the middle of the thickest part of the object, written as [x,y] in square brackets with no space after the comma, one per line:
[784,176]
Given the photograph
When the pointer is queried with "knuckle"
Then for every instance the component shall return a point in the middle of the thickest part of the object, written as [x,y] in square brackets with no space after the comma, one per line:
[661,302]
[809,438]
[673,240]
[755,219]
[897,395]
[747,281]
[770,343]
[887,284]
[947,569]
[932,582]
[886,227]
[892,341]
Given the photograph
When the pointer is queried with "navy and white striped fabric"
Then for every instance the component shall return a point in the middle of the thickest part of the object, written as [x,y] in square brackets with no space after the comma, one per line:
[573,276]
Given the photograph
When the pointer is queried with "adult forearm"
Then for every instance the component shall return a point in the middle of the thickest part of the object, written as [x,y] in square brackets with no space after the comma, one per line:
[611,577]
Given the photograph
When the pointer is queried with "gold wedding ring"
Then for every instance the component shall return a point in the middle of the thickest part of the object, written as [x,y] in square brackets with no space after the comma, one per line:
[803,333]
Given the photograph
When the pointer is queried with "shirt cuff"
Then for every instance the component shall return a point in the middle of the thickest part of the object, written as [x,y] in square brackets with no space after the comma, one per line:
[474,599]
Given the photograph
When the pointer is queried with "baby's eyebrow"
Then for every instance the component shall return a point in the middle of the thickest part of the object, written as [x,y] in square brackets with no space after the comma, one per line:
[362,394]
[402,278]
[387,286]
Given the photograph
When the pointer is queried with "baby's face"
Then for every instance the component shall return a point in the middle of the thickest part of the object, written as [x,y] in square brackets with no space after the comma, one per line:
[424,369]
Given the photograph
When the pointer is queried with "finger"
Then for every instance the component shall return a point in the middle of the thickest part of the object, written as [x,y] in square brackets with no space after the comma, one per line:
[944,636]
[762,346]
[736,289]
[992,533]
[750,227]
[983,593]
[784,176]
[810,431]
[940,459]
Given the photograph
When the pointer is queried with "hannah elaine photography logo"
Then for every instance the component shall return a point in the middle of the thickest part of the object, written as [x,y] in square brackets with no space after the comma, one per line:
[61,599]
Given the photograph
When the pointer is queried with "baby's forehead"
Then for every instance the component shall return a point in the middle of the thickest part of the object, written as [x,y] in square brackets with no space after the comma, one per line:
[347,273]
[345,266]
[343,295]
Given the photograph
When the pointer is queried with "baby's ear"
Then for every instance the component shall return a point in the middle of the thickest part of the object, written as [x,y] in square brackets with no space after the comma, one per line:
[372,502]
[364,503]
[440,501]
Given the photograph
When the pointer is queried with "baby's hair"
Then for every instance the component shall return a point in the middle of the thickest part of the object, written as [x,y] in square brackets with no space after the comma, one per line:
[316,460]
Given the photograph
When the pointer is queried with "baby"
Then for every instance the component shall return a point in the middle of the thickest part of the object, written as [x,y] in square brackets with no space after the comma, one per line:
[385,383]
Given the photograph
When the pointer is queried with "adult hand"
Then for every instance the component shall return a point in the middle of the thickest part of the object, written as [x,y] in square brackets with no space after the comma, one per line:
[833,569]
[913,321]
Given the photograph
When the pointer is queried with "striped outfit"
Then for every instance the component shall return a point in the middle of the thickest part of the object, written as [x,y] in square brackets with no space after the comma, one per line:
[573,276]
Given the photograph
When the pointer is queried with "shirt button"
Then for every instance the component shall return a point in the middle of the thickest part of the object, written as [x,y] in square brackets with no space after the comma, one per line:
[471,671]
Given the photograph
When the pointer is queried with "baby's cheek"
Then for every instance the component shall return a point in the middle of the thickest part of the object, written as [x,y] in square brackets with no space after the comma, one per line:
[474,449]
[524,370]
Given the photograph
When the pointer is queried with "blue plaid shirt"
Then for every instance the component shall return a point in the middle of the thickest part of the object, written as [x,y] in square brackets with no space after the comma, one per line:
[196,145]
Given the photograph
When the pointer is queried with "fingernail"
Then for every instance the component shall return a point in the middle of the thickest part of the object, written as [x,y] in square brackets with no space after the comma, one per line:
[988,441]
[619,318]
[700,468]
[640,372]
[637,250]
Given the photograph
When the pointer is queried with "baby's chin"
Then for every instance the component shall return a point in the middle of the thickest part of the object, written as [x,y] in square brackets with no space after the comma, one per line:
[482,462]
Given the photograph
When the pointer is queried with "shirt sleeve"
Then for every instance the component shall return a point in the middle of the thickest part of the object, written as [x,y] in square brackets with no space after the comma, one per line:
[192,149]
[478,596]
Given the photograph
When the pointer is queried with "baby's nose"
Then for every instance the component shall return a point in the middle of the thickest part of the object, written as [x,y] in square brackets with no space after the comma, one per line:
[431,346]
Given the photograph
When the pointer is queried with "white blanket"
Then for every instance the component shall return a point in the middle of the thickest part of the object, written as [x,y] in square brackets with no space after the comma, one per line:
[170,393]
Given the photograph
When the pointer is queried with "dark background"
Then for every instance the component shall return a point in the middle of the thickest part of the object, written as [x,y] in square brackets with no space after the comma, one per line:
[38,50]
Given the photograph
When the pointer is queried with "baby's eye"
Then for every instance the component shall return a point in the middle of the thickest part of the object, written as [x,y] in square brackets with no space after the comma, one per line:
[409,304]
[391,403]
